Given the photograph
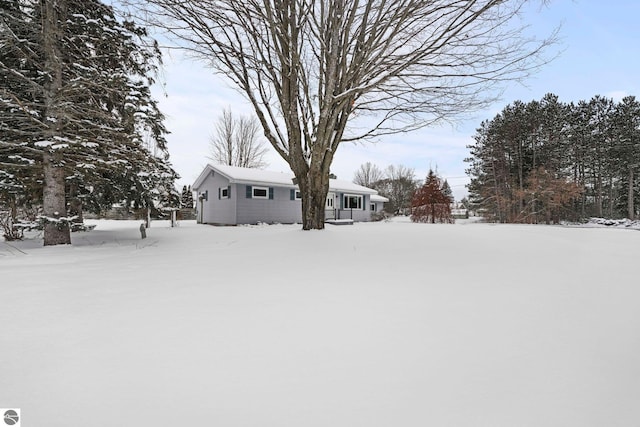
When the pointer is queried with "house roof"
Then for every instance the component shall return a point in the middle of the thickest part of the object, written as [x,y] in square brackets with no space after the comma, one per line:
[378,198]
[237,175]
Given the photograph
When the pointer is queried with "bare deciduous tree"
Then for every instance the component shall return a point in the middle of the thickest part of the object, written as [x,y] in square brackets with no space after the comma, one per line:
[307,66]
[368,175]
[398,186]
[395,182]
[236,143]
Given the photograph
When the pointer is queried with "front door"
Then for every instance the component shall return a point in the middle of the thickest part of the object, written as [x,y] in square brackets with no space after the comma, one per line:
[329,209]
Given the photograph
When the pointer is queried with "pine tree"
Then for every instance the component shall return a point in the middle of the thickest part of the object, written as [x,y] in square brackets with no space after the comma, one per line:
[626,122]
[430,203]
[183,196]
[590,145]
[446,190]
[187,197]
[78,108]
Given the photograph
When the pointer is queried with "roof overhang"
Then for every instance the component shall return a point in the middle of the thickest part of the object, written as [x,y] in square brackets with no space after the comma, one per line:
[248,176]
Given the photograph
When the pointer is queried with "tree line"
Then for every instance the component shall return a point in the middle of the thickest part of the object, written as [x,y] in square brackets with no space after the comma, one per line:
[399,184]
[78,126]
[549,161]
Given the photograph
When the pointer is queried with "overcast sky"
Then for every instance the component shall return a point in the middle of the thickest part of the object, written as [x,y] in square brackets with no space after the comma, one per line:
[599,56]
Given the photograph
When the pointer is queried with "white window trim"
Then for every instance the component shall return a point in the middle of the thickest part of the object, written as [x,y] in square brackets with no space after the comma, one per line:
[224,190]
[298,195]
[253,192]
[347,196]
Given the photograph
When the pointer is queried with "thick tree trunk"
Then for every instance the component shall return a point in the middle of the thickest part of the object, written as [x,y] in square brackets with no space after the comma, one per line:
[314,187]
[54,203]
[314,200]
[55,232]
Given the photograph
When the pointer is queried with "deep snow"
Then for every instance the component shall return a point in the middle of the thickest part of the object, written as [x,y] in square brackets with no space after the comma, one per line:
[377,324]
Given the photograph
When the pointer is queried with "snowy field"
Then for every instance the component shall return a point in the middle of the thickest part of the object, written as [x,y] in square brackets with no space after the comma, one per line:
[378,324]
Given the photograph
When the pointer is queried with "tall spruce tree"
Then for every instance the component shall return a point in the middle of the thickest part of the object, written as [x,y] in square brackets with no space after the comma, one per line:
[77,109]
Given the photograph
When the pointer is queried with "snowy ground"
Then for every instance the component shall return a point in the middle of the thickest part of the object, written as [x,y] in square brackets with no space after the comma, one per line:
[379,324]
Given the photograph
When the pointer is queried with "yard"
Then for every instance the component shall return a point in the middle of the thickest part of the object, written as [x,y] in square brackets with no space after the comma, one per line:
[374,324]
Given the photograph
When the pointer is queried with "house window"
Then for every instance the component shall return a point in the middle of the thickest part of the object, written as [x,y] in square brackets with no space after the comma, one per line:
[352,202]
[373,207]
[260,193]
[224,193]
[298,195]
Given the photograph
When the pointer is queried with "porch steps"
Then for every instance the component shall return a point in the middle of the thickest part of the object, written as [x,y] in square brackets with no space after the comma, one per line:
[339,221]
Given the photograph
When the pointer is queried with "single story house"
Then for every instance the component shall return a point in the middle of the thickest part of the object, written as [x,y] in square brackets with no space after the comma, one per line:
[229,195]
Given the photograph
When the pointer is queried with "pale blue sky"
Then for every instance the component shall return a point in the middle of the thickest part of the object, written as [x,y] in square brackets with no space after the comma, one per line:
[599,56]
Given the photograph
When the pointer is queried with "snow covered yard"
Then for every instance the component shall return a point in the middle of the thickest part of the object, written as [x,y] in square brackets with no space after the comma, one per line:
[378,324]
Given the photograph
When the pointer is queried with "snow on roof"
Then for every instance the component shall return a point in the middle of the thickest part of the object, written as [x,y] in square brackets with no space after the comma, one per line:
[238,175]
[347,186]
[378,198]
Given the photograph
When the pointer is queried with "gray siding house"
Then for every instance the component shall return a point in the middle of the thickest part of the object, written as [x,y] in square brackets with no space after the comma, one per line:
[229,195]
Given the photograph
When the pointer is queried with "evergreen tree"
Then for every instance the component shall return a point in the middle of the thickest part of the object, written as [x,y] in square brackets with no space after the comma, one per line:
[585,153]
[446,190]
[17,177]
[77,110]
[183,196]
[578,139]
[190,198]
[600,151]
[430,203]
[187,197]
[626,123]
